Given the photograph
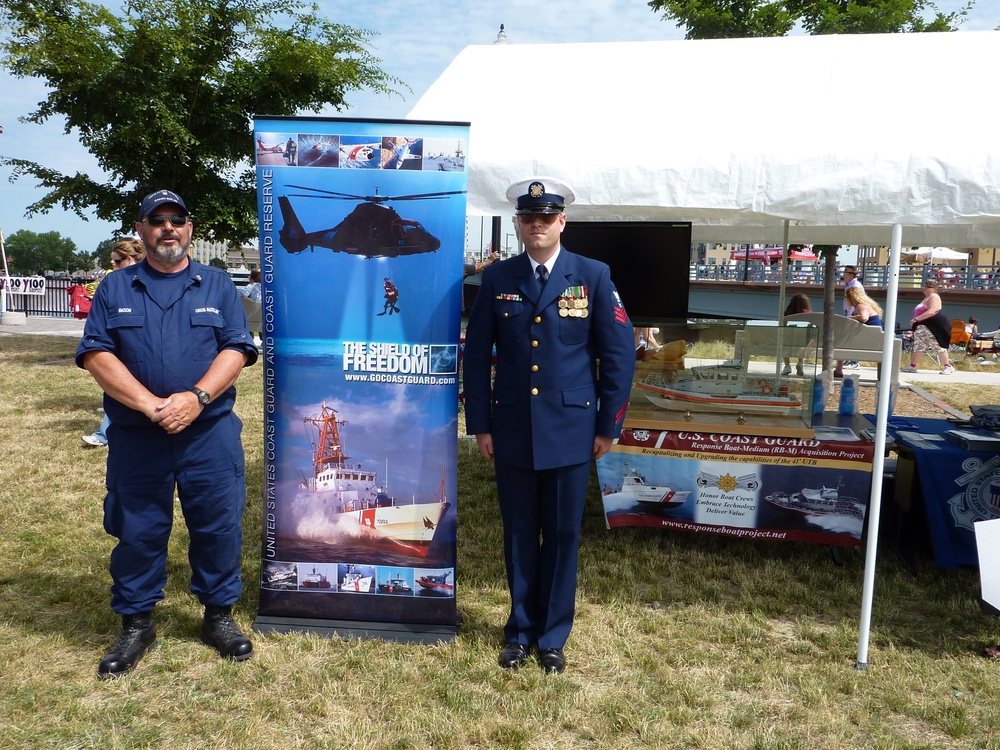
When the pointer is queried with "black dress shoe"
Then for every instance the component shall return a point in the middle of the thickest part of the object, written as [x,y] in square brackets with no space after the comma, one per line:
[222,633]
[553,660]
[514,656]
[137,637]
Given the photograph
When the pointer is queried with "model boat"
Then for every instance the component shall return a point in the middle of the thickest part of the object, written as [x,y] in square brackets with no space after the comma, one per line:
[724,387]
[356,496]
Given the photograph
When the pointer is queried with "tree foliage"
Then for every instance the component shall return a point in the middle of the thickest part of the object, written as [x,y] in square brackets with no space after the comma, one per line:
[31,253]
[102,255]
[727,19]
[162,94]
[719,19]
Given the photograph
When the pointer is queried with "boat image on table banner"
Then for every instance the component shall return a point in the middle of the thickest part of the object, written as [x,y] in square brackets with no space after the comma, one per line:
[724,387]
[634,487]
[821,501]
[357,504]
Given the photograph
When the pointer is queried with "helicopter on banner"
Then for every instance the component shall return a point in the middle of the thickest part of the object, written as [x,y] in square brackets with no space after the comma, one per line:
[372,229]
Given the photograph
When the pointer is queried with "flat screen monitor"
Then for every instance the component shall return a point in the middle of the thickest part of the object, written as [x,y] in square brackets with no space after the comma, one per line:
[650,262]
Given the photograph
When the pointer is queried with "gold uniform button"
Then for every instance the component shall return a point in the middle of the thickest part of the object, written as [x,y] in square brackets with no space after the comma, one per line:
[535,342]
[534,391]
[534,368]
[588,403]
[506,315]
[538,318]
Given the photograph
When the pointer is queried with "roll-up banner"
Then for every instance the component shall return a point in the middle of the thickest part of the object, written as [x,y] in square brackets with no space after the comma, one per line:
[362,230]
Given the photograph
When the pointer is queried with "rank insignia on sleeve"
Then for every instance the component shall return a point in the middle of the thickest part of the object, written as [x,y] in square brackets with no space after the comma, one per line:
[621,316]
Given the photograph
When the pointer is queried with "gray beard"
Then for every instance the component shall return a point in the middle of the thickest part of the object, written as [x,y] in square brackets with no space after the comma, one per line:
[167,257]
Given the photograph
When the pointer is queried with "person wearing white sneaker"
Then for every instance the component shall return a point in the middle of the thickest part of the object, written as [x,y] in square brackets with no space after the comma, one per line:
[908,368]
[124,253]
[931,330]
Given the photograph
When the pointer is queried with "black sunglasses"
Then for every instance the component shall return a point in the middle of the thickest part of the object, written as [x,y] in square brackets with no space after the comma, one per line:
[158,220]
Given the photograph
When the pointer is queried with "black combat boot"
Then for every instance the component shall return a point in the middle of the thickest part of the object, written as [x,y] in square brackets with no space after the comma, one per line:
[222,633]
[137,637]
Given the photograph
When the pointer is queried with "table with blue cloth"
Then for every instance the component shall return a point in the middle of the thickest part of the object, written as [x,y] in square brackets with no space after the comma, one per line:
[955,487]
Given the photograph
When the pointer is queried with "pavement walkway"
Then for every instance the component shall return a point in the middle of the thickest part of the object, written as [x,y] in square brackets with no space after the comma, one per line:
[982,374]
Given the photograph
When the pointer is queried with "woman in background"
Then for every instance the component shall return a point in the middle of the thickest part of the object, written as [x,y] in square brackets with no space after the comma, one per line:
[866,310]
[799,303]
[123,253]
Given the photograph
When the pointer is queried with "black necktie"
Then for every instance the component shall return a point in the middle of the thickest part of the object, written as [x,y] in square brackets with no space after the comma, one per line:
[543,274]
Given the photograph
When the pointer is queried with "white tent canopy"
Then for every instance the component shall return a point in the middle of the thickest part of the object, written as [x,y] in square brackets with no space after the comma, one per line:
[861,139]
[843,136]
[938,253]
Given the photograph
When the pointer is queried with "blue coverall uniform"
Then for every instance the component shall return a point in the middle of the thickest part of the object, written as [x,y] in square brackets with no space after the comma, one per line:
[168,343]
[544,410]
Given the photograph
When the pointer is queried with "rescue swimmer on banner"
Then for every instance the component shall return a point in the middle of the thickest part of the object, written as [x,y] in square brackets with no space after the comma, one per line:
[372,229]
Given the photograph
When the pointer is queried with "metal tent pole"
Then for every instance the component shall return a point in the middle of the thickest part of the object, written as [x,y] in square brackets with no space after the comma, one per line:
[878,462]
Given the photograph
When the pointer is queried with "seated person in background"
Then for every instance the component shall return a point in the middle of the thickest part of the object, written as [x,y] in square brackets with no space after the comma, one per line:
[470,269]
[799,303]
[866,310]
[645,341]
[972,327]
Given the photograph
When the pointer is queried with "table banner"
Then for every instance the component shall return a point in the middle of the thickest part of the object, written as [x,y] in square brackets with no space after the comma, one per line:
[362,236]
[746,486]
[959,486]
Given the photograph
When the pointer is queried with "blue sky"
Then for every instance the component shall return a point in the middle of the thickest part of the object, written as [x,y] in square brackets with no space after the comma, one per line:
[416,42]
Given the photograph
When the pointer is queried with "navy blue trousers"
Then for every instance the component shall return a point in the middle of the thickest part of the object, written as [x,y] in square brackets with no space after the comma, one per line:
[542,512]
[205,464]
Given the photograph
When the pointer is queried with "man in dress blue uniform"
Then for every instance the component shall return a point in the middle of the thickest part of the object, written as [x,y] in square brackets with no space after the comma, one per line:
[553,316]
[166,339]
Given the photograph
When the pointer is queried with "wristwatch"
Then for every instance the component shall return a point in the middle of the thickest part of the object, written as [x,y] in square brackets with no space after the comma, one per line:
[202,396]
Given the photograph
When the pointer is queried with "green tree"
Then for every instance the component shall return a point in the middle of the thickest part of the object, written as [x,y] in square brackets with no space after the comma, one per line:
[829,255]
[31,253]
[102,255]
[218,263]
[874,16]
[162,93]
[716,19]
[727,19]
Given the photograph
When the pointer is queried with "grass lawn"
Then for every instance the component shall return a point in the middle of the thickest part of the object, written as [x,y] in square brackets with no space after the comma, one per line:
[681,640]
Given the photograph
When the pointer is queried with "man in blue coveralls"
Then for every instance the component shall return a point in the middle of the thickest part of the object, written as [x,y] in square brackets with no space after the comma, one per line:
[166,339]
[552,316]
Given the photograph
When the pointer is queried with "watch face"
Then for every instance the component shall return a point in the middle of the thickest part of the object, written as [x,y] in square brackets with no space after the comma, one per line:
[202,396]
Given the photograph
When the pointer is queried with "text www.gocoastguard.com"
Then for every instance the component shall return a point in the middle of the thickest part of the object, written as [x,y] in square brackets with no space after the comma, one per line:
[749,533]
[385,377]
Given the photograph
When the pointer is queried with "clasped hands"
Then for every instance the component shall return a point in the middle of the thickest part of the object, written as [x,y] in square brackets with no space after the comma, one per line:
[176,411]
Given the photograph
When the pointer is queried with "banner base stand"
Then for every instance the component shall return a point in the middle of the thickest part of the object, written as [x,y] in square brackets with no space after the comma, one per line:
[387,631]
